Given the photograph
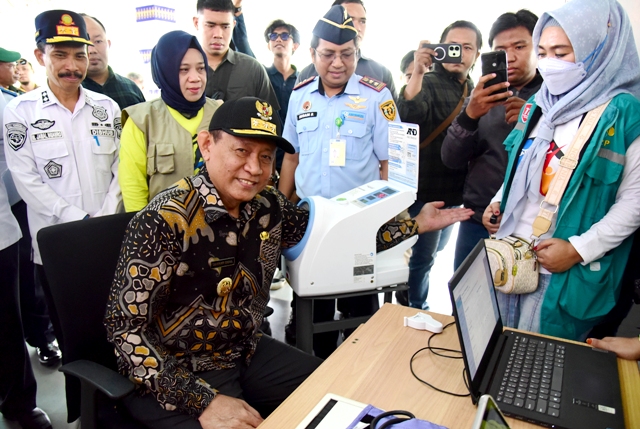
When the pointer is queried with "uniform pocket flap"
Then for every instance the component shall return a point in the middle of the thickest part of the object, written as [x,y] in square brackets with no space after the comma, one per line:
[105,147]
[307,124]
[50,149]
[164,149]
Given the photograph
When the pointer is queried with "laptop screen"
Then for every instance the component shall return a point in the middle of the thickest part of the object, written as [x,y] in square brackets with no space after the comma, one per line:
[476,308]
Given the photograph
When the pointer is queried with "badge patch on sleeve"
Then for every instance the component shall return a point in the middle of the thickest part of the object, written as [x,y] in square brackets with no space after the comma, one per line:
[118,126]
[16,135]
[53,170]
[388,109]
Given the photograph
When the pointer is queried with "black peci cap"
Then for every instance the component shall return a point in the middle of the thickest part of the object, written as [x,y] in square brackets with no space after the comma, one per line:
[250,117]
[57,26]
[336,26]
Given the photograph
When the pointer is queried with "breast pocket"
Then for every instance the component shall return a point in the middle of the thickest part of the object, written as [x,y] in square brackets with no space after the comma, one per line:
[52,160]
[308,138]
[103,154]
[355,134]
[161,159]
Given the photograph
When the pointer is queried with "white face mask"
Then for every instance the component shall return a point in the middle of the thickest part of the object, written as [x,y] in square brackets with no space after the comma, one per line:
[561,76]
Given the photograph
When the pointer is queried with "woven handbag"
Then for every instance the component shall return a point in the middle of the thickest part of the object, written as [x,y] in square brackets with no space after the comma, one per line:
[513,265]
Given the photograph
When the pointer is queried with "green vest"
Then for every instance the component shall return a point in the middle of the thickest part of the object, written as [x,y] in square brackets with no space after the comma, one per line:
[580,297]
[170,155]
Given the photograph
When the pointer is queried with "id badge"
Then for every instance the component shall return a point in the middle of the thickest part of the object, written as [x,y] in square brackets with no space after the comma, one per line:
[337,152]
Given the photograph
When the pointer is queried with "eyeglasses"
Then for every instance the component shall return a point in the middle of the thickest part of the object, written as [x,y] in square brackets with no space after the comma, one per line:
[345,57]
[283,36]
[21,62]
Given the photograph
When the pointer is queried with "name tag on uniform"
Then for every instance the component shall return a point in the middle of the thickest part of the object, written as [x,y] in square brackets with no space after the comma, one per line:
[337,152]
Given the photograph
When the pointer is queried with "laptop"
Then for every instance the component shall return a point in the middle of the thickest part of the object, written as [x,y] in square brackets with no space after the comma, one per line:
[552,383]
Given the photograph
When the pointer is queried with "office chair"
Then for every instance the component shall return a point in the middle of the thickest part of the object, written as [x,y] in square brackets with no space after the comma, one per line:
[80,260]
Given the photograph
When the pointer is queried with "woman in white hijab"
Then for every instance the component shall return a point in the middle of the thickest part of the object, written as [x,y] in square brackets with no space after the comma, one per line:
[587,56]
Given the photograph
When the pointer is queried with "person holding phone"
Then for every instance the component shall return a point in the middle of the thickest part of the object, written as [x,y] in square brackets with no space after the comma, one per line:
[475,137]
[429,100]
[586,64]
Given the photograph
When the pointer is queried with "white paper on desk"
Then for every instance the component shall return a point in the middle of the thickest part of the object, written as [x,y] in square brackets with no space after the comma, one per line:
[342,413]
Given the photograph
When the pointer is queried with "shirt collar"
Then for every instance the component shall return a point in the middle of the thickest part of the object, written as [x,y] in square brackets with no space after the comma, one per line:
[350,88]
[272,70]
[48,98]
[230,56]
[212,204]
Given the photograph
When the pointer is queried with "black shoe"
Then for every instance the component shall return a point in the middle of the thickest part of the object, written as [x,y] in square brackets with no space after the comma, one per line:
[49,355]
[34,419]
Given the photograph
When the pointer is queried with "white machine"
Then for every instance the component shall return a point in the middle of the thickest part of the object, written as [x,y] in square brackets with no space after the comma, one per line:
[338,251]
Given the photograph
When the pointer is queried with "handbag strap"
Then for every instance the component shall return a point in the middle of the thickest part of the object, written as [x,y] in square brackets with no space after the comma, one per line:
[568,163]
[426,142]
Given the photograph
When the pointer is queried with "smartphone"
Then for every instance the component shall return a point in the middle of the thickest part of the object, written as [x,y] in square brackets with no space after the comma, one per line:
[495,62]
[446,52]
[489,415]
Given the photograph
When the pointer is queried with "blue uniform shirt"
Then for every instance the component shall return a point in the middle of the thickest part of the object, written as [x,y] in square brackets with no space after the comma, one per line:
[311,124]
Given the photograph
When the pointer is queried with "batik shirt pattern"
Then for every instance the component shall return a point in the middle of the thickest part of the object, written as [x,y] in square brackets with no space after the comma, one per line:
[192,284]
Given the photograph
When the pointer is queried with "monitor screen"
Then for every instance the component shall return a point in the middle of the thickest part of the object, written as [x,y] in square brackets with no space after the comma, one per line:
[476,308]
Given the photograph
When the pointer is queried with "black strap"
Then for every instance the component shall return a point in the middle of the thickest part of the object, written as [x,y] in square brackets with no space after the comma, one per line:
[218,81]
[390,422]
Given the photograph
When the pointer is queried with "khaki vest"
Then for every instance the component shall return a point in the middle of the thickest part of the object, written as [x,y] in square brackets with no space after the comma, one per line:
[169,145]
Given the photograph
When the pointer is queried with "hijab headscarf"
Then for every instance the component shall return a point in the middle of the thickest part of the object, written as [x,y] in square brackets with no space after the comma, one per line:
[602,39]
[166,58]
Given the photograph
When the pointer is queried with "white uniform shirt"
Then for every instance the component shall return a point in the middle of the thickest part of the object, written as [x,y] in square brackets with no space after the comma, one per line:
[64,165]
[9,228]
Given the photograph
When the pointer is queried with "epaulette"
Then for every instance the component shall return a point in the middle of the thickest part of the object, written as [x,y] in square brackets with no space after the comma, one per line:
[373,83]
[305,82]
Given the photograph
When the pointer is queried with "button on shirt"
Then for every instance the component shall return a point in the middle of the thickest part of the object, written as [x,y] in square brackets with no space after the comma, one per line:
[64,165]
[311,124]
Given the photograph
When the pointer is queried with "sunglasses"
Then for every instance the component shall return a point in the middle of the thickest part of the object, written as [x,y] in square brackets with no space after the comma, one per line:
[283,36]
[21,62]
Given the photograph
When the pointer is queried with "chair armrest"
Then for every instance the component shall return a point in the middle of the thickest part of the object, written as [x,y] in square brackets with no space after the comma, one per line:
[109,382]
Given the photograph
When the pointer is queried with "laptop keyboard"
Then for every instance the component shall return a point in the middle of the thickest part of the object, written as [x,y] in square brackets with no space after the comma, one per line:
[533,377]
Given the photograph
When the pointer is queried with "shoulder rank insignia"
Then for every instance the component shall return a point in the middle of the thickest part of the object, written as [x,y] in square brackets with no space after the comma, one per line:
[305,82]
[373,83]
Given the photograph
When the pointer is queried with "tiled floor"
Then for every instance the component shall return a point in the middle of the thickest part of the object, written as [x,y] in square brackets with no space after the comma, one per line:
[51,383]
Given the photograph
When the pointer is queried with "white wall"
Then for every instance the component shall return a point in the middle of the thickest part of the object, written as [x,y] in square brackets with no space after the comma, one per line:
[394,27]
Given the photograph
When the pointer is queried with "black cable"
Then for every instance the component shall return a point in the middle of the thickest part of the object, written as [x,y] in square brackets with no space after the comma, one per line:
[431,349]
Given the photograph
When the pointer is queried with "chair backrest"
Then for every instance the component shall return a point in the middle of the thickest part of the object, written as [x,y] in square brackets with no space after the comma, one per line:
[79,259]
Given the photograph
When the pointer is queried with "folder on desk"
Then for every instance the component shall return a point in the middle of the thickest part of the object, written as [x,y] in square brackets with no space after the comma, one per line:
[545,381]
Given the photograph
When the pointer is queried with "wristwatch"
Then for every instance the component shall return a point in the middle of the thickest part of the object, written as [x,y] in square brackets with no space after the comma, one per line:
[237,9]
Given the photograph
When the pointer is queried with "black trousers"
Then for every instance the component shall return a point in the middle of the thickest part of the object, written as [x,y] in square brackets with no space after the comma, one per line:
[17,383]
[35,314]
[276,370]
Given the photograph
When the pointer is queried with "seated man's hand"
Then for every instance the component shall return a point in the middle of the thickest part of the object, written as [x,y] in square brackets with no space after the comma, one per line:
[557,255]
[625,348]
[431,218]
[225,412]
